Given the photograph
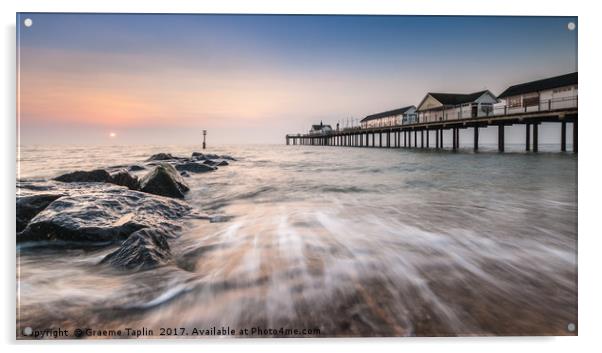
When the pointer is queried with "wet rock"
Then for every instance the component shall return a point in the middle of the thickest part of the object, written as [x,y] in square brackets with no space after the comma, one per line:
[164,157]
[123,178]
[143,249]
[102,215]
[160,157]
[164,180]
[135,168]
[209,162]
[80,176]
[185,174]
[222,163]
[203,156]
[29,206]
[230,158]
[195,167]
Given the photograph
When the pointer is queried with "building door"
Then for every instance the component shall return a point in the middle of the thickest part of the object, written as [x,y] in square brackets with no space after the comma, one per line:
[474,110]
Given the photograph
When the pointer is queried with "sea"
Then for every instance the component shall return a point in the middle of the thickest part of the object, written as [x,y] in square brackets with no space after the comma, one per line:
[318,241]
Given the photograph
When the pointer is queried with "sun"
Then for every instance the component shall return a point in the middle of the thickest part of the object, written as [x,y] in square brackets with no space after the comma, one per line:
[112,135]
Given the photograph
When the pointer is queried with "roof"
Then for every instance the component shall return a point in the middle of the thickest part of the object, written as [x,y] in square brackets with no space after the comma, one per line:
[456,98]
[320,127]
[387,113]
[540,85]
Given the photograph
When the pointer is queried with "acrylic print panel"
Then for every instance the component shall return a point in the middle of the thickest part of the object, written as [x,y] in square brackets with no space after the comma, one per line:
[202,176]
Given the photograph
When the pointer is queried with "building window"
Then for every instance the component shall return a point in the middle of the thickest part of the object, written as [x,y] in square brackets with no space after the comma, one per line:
[530,101]
[514,102]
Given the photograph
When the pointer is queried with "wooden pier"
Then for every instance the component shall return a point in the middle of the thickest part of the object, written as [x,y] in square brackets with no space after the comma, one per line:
[422,134]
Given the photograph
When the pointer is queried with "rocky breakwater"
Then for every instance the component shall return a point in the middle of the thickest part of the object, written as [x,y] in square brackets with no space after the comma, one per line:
[137,207]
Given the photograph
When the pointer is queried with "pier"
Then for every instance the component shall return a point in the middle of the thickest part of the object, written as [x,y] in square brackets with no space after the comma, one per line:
[549,100]
[429,134]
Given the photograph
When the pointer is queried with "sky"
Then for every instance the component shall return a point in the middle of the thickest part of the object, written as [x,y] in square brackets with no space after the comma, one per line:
[162,79]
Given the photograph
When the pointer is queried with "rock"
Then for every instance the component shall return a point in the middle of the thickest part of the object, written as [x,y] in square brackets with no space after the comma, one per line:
[143,249]
[164,157]
[215,162]
[29,206]
[160,157]
[185,174]
[230,158]
[164,180]
[124,178]
[194,167]
[97,175]
[102,214]
[118,177]
[202,156]
[135,168]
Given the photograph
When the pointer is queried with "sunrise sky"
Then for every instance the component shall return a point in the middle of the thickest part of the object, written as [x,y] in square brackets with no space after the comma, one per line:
[162,79]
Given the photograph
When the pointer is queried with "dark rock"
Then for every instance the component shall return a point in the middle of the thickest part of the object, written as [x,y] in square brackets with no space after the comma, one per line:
[143,249]
[29,206]
[124,178]
[102,215]
[135,168]
[230,158]
[98,176]
[160,157]
[215,162]
[194,167]
[185,174]
[164,157]
[202,156]
[164,180]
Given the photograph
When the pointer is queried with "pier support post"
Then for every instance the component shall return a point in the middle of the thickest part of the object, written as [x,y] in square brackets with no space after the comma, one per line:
[405,139]
[441,139]
[563,136]
[454,139]
[535,137]
[500,138]
[476,138]
[457,138]
[528,137]
[437,138]
[421,138]
[415,139]
[427,137]
[575,136]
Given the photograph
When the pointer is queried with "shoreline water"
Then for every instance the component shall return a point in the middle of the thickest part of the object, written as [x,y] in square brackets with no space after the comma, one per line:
[368,242]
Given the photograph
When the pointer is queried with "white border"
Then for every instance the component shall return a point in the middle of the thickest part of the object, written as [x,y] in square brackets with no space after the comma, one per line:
[590,55]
